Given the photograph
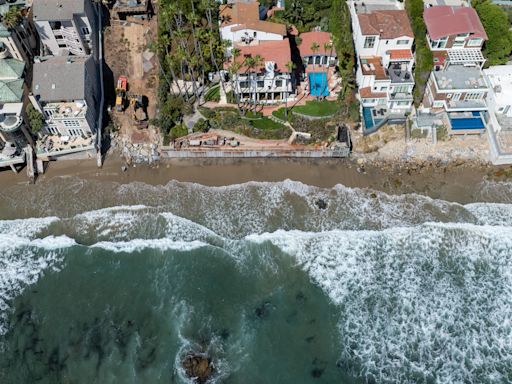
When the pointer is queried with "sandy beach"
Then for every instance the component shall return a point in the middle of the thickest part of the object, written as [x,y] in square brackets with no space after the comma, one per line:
[450,182]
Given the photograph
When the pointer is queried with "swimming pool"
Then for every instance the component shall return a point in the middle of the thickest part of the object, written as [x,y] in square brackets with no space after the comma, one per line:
[318,84]
[475,122]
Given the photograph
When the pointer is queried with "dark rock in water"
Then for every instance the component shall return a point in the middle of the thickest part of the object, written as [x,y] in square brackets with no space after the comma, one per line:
[224,333]
[198,367]
[263,310]
[321,204]
[309,339]
[300,296]
[317,373]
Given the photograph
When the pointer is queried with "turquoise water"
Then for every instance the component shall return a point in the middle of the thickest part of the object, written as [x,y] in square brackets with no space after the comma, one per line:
[272,285]
[318,84]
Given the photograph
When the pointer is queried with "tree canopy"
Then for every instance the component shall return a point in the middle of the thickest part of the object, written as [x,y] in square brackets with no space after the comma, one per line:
[495,21]
[424,59]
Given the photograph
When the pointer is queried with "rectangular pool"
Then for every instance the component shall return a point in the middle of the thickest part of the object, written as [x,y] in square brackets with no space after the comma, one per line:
[318,84]
[462,123]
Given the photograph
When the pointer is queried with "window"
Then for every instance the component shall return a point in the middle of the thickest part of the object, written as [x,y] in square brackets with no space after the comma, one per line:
[75,132]
[52,129]
[49,112]
[474,42]
[71,123]
[254,34]
[473,96]
[402,42]
[438,104]
[279,83]
[63,46]
[401,89]
[456,97]
[383,88]
[457,43]
[85,31]
[369,42]
[441,43]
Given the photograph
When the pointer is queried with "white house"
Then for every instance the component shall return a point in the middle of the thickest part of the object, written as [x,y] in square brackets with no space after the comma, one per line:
[500,81]
[241,25]
[270,81]
[66,91]
[383,40]
[65,26]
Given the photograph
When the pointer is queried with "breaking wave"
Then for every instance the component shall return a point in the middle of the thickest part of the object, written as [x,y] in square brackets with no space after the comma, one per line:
[423,286]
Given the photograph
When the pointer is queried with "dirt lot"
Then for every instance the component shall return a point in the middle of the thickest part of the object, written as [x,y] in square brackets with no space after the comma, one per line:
[127,53]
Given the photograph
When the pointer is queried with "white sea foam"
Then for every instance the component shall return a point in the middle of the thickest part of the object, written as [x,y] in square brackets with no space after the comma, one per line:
[137,245]
[491,214]
[28,228]
[432,302]
[22,261]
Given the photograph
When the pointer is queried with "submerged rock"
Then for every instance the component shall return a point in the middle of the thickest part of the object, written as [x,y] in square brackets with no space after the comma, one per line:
[321,204]
[198,367]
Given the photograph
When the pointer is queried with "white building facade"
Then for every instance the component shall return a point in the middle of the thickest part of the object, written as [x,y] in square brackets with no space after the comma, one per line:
[383,41]
[65,26]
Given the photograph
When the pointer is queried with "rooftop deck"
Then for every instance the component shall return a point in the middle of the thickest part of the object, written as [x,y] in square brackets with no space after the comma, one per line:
[460,77]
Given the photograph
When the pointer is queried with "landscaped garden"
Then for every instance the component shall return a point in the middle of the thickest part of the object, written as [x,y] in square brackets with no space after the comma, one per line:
[314,108]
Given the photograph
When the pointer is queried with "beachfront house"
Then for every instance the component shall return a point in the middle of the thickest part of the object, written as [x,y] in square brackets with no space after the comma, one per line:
[383,40]
[12,102]
[241,23]
[65,26]
[455,34]
[499,78]
[457,84]
[265,73]
[319,60]
[66,91]
[499,101]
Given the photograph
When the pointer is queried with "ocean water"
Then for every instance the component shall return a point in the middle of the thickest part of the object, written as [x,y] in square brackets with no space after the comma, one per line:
[275,282]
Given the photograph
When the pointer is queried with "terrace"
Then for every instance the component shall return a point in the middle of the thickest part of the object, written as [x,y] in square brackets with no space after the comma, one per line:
[62,110]
[460,77]
[398,73]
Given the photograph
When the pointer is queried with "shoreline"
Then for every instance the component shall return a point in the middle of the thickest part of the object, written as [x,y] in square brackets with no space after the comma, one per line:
[449,181]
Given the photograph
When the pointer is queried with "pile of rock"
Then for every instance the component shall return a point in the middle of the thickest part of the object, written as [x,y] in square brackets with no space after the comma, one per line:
[198,367]
[140,153]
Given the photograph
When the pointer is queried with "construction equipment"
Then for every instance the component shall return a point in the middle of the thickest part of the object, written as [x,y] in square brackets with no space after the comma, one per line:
[122,85]
[139,110]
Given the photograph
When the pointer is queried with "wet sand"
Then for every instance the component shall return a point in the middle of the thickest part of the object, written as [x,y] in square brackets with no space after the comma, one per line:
[449,182]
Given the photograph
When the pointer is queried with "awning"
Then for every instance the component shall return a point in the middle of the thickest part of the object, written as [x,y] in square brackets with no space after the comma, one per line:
[400,54]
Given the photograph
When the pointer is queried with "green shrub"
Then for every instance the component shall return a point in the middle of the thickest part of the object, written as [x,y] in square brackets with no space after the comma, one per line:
[178,131]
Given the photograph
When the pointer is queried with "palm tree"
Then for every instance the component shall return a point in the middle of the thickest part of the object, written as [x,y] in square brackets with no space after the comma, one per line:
[314,48]
[327,48]
[12,20]
[290,66]
[233,70]
[252,64]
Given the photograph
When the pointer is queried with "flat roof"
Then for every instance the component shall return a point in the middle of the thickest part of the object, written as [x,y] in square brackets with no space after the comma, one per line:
[460,77]
[47,10]
[60,78]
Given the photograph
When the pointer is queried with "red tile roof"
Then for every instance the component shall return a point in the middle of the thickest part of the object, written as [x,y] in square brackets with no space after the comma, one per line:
[445,21]
[388,24]
[366,93]
[397,54]
[373,66]
[321,38]
[239,13]
[277,51]
[247,15]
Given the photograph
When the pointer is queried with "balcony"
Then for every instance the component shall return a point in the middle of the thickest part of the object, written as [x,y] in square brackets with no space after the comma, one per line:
[405,96]
[466,105]
[398,73]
